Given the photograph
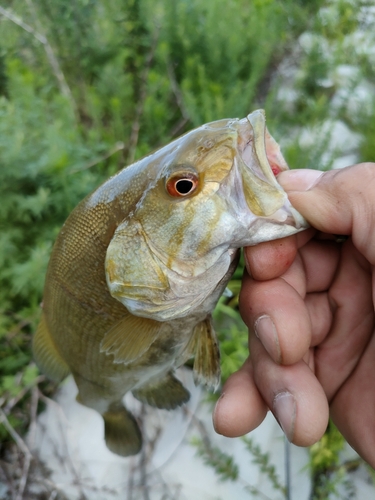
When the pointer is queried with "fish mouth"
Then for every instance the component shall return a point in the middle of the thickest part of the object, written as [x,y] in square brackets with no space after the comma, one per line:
[261,161]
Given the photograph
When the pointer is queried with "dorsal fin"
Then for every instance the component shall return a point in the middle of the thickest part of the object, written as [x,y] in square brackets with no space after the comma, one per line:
[130,337]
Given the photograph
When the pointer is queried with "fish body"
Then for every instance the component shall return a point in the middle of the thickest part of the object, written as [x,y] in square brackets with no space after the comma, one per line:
[140,264]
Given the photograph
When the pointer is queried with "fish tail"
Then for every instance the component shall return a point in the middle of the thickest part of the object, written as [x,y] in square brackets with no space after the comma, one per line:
[122,434]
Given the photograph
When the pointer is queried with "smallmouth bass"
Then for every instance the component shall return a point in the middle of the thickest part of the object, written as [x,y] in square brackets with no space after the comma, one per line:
[140,264]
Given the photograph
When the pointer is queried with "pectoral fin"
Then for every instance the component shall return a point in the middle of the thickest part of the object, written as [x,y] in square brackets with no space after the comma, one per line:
[206,367]
[166,394]
[130,337]
[46,355]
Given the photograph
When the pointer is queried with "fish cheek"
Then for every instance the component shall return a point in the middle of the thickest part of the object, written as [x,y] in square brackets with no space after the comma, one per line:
[131,269]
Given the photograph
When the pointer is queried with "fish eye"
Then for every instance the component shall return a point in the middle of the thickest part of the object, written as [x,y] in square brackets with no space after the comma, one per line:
[182,185]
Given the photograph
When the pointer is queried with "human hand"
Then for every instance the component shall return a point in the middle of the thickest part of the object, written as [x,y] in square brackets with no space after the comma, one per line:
[309,304]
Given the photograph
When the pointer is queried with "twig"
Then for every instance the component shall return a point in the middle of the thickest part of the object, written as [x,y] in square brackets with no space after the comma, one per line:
[287,451]
[21,324]
[23,480]
[32,431]
[143,463]
[132,470]
[25,450]
[12,402]
[117,147]
[210,450]
[33,414]
[177,92]
[179,101]
[7,479]
[178,127]
[64,87]
[134,134]
[17,438]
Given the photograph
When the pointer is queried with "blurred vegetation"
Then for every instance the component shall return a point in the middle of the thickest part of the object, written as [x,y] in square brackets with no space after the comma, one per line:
[88,86]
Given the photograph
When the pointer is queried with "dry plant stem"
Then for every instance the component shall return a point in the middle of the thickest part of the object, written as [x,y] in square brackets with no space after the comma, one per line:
[63,454]
[179,101]
[143,462]
[24,449]
[133,468]
[20,325]
[32,431]
[12,402]
[133,141]
[177,92]
[117,147]
[209,449]
[17,438]
[64,87]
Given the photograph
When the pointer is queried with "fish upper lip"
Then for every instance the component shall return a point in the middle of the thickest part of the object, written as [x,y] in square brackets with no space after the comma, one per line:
[263,195]
[252,146]
[254,187]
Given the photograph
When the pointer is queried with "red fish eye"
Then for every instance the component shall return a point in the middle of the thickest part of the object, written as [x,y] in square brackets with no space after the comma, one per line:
[182,185]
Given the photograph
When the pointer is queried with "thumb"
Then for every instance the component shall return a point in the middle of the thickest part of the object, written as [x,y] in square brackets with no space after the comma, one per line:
[338,202]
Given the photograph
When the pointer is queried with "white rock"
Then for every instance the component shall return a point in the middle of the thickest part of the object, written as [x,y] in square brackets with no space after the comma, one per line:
[69,440]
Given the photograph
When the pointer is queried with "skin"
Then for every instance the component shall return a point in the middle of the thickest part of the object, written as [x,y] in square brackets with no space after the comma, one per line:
[318,358]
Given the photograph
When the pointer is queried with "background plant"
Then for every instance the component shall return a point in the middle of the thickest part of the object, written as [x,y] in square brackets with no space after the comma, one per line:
[88,86]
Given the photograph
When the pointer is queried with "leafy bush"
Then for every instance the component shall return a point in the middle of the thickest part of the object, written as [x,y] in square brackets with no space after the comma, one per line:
[88,86]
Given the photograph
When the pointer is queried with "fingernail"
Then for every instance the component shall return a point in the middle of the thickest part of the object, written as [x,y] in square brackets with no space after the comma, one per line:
[266,332]
[215,413]
[285,409]
[247,263]
[299,180]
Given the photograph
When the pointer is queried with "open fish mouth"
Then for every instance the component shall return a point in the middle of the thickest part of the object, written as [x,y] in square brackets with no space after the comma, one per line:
[261,161]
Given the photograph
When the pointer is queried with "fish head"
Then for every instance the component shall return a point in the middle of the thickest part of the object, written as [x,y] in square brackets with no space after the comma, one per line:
[211,192]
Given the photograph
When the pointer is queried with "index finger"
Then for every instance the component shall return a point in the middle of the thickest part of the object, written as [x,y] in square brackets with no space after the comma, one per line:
[271,259]
[338,202]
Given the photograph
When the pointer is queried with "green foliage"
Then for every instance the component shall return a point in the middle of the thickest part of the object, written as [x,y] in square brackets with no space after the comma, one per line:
[223,464]
[325,453]
[263,460]
[88,86]
[228,470]
[327,472]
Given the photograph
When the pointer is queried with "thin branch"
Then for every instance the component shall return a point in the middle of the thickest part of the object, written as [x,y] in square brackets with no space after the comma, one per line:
[24,449]
[133,141]
[177,129]
[17,438]
[64,87]
[17,20]
[117,147]
[62,453]
[12,402]
[132,469]
[210,451]
[143,459]
[177,92]
[23,480]
[20,325]
[33,415]
[179,101]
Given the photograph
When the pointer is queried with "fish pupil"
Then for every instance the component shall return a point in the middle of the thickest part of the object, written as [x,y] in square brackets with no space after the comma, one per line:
[184,186]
